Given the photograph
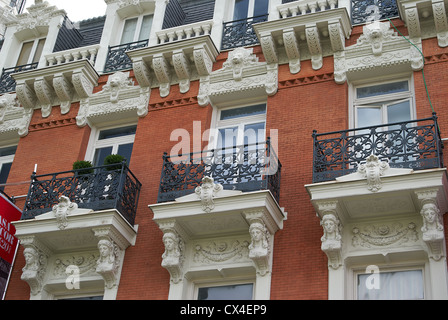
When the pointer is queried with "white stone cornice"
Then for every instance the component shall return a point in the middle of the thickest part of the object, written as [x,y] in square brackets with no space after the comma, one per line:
[13,118]
[313,28]
[178,62]
[53,85]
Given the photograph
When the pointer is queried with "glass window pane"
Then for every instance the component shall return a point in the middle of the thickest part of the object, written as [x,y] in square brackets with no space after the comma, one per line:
[243,112]
[369,117]
[39,49]
[365,92]
[400,285]
[399,112]
[126,151]
[129,31]
[261,7]
[227,137]
[24,56]
[235,292]
[8,151]
[146,28]
[100,155]
[241,9]
[254,133]
[117,132]
[4,172]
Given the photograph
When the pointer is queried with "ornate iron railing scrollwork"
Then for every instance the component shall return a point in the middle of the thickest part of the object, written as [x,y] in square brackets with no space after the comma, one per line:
[117,59]
[103,188]
[7,83]
[246,168]
[367,10]
[240,33]
[411,144]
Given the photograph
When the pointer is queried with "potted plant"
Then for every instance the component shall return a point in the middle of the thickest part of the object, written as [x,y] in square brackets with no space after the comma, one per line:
[83,167]
[114,159]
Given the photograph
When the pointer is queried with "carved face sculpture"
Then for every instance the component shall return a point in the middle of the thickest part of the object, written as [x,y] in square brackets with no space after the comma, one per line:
[105,248]
[430,212]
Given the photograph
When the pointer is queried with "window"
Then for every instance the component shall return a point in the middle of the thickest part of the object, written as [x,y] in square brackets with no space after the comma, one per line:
[244,9]
[227,292]
[136,29]
[114,141]
[383,103]
[391,285]
[6,158]
[241,126]
[31,52]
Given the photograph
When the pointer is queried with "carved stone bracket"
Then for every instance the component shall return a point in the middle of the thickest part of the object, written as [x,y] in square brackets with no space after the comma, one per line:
[174,254]
[111,254]
[55,85]
[432,230]
[36,259]
[174,63]
[332,227]
[260,246]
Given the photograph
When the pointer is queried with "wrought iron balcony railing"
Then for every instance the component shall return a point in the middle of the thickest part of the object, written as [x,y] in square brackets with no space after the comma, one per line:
[245,168]
[411,144]
[7,83]
[240,33]
[100,188]
[117,59]
[368,10]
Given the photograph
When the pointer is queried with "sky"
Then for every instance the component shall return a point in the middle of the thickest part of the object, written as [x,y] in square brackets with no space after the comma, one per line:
[78,10]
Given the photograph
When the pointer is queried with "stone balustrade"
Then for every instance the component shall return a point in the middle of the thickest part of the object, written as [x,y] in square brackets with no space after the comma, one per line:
[57,58]
[185,31]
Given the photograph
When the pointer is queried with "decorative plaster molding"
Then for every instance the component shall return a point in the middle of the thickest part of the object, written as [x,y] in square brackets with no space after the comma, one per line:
[14,119]
[119,95]
[241,72]
[373,235]
[372,170]
[259,248]
[206,192]
[36,262]
[378,47]
[221,251]
[62,210]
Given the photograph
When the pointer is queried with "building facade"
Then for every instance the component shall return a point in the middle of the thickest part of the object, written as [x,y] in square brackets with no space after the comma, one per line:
[272,149]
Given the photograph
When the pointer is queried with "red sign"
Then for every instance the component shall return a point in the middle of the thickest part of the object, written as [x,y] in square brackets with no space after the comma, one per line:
[8,242]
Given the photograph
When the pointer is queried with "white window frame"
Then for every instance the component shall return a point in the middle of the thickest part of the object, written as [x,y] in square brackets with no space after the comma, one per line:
[7,159]
[95,143]
[239,122]
[138,27]
[33,51]
[355,103]
[209,284]
[250,10]
[386,269]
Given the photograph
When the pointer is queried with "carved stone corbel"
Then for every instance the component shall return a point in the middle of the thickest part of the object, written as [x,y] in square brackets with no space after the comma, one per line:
[26,95]
[162,71]
[182,69]
[110,259]
[202,60]
[142,73]
[267,43]
[36,261]
[440,21]
[45,93]
[432,230]
[259,248]
[331,240]
[64,90]
[174,255]
[314,46]
[291,45]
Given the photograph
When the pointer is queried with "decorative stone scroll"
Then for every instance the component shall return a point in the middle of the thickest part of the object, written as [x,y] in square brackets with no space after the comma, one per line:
[372,170]
[206,192]
[14,119]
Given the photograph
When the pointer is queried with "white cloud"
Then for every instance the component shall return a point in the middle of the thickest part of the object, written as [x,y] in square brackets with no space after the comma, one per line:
[78,10]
